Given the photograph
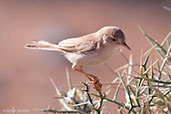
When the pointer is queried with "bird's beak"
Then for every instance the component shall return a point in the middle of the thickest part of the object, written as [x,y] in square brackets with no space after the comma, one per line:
[125,45]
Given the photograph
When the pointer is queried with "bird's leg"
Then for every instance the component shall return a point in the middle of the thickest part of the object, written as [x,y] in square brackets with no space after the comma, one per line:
[89,76]
[86,74]
[93,79]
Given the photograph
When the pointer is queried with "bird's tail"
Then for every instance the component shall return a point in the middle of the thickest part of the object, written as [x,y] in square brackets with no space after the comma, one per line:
[42,45]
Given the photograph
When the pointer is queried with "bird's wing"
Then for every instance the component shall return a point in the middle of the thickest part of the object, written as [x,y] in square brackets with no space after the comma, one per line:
[79,45]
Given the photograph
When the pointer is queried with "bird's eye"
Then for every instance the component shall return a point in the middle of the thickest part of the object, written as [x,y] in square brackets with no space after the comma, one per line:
[114,39]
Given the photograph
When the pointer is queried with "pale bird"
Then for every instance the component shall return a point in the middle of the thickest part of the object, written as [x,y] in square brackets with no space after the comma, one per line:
[88,50]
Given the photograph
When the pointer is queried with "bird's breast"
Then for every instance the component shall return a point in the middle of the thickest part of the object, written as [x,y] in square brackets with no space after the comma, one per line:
[93,58]
[100,57]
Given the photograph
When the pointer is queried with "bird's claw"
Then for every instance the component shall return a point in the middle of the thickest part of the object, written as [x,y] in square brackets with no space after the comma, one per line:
[96,82]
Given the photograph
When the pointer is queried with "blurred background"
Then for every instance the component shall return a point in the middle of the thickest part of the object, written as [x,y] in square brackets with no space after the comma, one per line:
[24,74]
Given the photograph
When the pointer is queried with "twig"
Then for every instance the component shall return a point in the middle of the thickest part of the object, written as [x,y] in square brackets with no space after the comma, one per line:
[58,111]
[55,87]
[98,110]
[88,95]
[68,78]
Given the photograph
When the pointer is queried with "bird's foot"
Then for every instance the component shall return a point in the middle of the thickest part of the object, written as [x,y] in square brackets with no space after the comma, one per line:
[95,81]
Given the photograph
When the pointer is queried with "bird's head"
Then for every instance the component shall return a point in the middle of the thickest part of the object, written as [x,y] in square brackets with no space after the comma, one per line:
[113,34]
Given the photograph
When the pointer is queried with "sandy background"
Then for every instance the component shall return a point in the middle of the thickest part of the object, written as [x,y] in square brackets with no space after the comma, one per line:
[24,74]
